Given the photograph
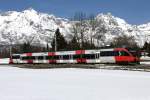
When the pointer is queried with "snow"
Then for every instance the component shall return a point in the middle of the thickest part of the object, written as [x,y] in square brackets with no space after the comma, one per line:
[73,84]
[21,26]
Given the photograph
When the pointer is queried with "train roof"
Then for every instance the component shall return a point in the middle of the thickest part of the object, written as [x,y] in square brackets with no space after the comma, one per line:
[69,52]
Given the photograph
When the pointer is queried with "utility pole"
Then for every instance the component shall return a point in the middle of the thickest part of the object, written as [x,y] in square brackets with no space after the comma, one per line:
[55,38]
[10,50]
[55,42]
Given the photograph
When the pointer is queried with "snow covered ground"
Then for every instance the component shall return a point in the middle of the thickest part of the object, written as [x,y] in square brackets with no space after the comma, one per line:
[73,84]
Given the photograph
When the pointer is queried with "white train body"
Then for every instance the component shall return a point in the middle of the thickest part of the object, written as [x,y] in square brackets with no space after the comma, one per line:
[117,55]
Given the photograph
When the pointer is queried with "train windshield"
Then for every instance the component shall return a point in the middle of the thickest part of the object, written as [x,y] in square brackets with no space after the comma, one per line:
[135,53]
[123,53]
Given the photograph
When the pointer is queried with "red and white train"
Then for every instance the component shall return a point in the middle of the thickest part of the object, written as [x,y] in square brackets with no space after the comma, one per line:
[113,56]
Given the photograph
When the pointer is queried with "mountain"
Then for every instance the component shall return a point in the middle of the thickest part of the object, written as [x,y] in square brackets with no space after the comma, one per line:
[30,26]
[116,27]
[39,28]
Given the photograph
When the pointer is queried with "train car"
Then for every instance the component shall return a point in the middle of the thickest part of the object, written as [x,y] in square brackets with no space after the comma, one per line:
[116,55]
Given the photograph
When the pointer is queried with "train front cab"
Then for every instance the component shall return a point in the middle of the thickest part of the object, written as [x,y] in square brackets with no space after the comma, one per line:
[125,57]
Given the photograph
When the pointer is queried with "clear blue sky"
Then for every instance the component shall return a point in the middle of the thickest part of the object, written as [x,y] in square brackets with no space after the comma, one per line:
[133,11]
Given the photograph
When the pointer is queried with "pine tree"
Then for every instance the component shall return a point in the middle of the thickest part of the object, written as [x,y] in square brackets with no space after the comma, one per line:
[61,43]
[25,48]
[47,47]
[73,44]
[145,47]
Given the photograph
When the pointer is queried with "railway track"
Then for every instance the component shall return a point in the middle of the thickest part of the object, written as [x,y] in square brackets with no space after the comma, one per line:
[141,67]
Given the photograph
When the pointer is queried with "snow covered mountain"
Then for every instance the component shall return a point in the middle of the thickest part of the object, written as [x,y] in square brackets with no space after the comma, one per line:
[30,26]
[116,27]
[39,28]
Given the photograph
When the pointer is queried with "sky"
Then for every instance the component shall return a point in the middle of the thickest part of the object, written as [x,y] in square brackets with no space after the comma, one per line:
[133,11]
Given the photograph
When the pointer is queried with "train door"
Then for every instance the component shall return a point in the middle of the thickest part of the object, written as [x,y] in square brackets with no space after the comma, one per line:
[15,58]
[40,59]
[107,57]
[71,59]
[36,60]
[60,59]
[68,59]
[21,61]
[97,57]
[44,59]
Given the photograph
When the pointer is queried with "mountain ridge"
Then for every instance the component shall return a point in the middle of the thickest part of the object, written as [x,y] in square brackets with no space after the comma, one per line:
[39,28]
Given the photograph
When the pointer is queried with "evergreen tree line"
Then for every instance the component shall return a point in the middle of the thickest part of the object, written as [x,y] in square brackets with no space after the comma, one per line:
[63,45]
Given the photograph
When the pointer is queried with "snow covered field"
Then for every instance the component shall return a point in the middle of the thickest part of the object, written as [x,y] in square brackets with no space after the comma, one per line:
[73,84]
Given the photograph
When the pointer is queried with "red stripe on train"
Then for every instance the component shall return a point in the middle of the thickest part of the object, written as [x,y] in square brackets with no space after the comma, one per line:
[81,59]
[11,61]
[30,61]
[28,54]
[51,54]
[80,52]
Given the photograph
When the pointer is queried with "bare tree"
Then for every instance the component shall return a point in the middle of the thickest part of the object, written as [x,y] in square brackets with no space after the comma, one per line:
[125,41]
[79,27]
[100,33]
[11,37]
[29,39]
[74,30]
[93,24]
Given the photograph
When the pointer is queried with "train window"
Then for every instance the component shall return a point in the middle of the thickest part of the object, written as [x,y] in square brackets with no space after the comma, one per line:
[40,57]
[115,53]
[49,57]
[104,53]
[16,57]
[109,53]
[65,57]
[56,57]
[89,56]
[53,57]
[76,56]
[32,57]
[86,56]
[92,56]
[29,58]
[24,58]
